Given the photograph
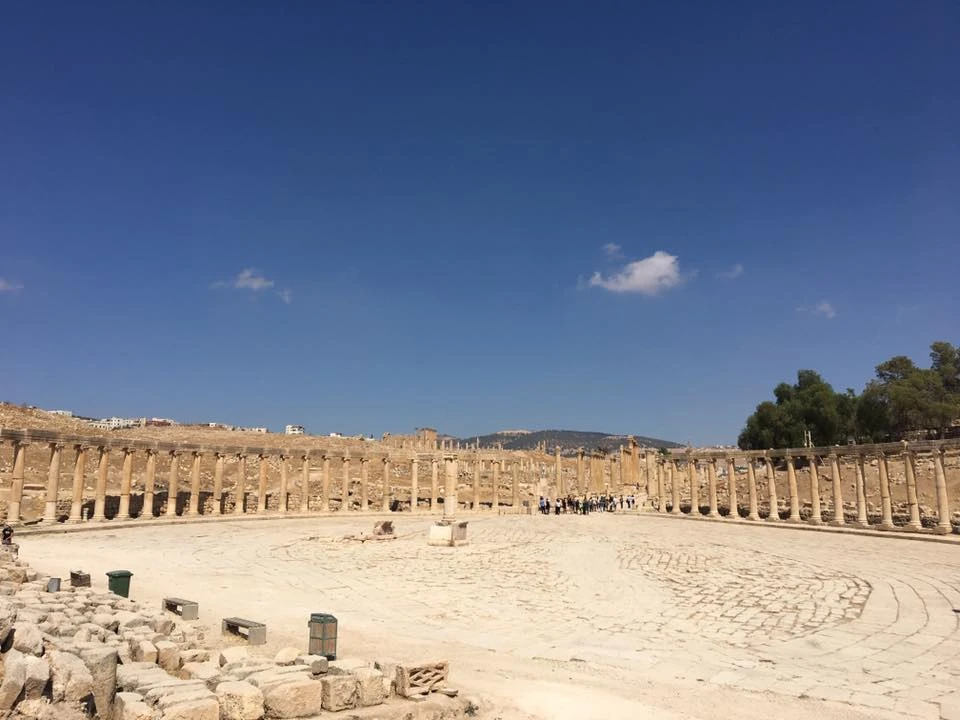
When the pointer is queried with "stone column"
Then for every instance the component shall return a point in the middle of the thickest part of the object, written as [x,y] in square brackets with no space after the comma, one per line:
[414,485]
[345,485]
[126,480]
[754,513]
[364,484]
[561,490]
[651,469]
[241,490]
[218,484]
[284,489]
[815,516]
[16,487]
[607,488]
[838,518]
[581,486]
[385,499]
[862,519]
[694,488]
[262,484]
[100,489]
[712,487]
[794,493]
[773,515]
[53,483]
[943,502]
[674,487]
[732,499]
[634,465]
[911,475]
[193,506]
[325,480]
[886,520]
[515,495]
[150,484]
[434,482]
[305,483]
[79,466]
[173,486]
[451,477]
[496,486]
[661,490]
[476,484]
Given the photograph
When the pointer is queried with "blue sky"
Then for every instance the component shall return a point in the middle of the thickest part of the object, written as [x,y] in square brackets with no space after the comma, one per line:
[367,217]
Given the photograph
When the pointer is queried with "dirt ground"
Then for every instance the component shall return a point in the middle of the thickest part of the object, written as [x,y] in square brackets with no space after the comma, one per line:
[602,616]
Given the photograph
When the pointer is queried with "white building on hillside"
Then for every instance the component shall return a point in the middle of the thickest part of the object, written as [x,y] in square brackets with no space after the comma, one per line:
[293,430]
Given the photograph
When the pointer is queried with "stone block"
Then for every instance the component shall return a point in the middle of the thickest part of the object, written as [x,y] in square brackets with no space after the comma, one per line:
[448,534]
[296,698]
[339,692]
[130,706]
[208,672]
[233,654]
[8,616]
[286,656]
[27,638]
[369,687]
[421,678]
[37,677]
[346,666]
[102,664]
[128,619]
[71,680]
[168,656]
[317,664]
[14,679]
[240,701]
[145,651]
[200,655]
[206,709]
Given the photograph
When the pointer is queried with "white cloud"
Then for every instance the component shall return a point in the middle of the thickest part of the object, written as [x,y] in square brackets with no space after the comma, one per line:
[648,276]
[286,295]
[826,309]
[821,308]
[9,286]
[251,279]
[731,274]
[613,250]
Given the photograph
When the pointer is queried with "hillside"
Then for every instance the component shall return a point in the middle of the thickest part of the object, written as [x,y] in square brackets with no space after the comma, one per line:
[569,440]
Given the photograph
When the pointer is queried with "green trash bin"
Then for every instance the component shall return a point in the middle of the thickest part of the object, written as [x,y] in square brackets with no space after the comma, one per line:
[119,582]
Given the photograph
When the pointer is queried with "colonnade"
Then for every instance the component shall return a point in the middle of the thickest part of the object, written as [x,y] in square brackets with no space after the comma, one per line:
[673,481]
[684,483]
[183,478]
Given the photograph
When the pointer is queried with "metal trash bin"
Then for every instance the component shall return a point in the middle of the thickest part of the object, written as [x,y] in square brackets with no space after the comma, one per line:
[119,582]
[323,635]
[53,585]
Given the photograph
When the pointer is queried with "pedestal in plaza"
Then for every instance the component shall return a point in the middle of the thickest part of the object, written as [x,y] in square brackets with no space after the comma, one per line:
[448,534]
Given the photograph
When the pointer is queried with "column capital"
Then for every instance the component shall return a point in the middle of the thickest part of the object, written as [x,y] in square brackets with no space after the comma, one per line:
[175,453]
[81,447]
[151,452]
[56,446]
[220,454]
[833,455]
[198,453]
[21,443]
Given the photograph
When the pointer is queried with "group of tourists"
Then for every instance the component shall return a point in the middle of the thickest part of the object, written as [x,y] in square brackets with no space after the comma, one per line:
[585,504]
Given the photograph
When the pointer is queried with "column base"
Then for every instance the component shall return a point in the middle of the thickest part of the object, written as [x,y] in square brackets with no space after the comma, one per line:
[912,527]
[815,521]
[885,526]
[448,534]
[715,516]
[941,530]
[837,523]
[754,518]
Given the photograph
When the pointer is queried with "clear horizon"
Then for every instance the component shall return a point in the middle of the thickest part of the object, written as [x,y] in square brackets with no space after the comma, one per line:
[369,218]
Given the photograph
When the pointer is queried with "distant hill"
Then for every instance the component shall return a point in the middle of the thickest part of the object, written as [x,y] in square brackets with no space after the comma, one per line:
[569,440]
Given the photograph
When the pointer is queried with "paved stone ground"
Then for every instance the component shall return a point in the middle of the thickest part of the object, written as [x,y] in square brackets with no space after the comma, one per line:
[598,616]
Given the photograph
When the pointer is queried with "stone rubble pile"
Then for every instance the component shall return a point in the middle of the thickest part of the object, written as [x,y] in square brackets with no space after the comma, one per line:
[78,652]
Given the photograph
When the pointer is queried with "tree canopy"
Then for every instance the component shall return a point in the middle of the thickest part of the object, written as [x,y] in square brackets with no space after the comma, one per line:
[901,400]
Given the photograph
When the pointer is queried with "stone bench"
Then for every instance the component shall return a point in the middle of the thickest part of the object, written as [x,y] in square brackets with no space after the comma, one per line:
[254,632]
[187,609]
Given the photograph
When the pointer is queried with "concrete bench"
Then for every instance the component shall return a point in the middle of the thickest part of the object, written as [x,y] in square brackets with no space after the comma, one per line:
[187,609]
[254,632]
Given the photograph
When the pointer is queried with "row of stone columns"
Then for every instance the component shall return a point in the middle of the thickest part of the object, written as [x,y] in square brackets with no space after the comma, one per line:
[667,470]
[104,452]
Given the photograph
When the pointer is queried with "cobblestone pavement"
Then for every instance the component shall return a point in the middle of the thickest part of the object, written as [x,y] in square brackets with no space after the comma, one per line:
[870,623]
